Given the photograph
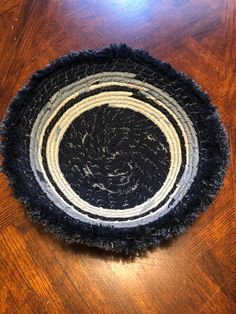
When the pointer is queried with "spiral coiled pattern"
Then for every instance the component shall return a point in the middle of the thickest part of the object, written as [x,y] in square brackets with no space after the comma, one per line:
[114,149]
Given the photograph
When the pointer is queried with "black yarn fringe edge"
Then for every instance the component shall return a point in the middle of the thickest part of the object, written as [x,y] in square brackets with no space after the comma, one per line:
[152,236]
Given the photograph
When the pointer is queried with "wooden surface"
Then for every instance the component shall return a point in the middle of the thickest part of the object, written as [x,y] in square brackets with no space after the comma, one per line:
[196,273]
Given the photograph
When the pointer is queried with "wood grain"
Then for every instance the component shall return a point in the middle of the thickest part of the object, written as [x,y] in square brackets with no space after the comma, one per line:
[196,273]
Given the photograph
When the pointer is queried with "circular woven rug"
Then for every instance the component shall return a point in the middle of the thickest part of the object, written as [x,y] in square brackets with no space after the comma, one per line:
[114,149]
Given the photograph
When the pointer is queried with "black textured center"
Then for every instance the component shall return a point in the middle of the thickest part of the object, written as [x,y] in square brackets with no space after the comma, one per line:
[114,157]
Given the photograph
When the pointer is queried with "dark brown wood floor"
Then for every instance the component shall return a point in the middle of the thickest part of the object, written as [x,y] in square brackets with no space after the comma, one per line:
[196,273]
